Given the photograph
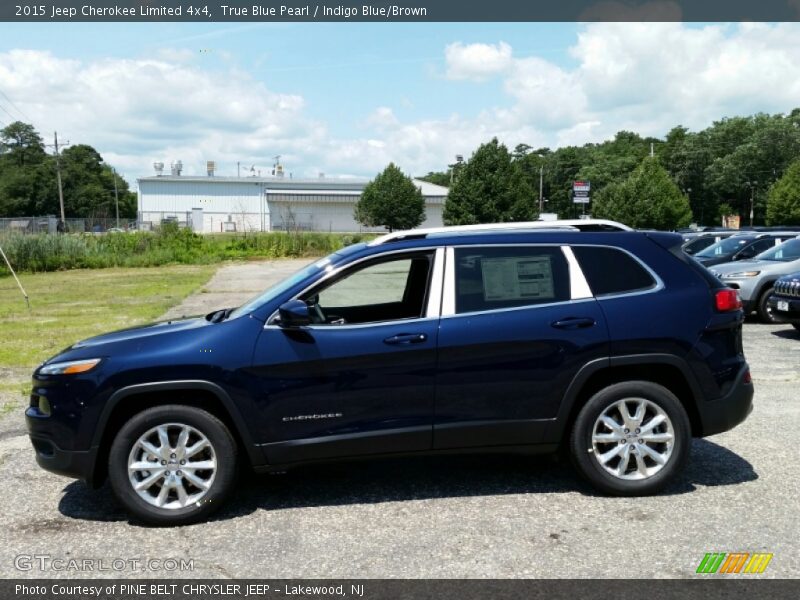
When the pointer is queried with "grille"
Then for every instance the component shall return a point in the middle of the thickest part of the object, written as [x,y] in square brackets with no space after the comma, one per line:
[788,288]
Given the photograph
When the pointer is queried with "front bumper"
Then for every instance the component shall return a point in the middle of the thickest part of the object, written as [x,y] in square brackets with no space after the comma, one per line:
[727,412]
[78,464]
[790,316]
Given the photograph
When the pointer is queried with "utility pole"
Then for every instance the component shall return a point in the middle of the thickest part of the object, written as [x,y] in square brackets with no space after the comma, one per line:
[58,178]
[752,185]
[541,184]
[652,153]
[116,195]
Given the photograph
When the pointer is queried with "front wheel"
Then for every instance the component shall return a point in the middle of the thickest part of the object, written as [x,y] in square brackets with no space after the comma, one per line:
[631,439]
[763,309]
[172,465]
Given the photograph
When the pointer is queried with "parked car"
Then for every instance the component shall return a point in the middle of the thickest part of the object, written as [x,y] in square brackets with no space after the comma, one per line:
[614,345]
[755,278]
[785,300]
[742,246]
[694,243]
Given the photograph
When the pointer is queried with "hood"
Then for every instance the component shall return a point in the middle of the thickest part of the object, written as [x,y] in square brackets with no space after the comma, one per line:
[791,278]
[143,331]
[749,265]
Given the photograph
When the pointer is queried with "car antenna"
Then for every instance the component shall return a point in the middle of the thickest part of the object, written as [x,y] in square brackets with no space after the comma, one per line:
[10,268]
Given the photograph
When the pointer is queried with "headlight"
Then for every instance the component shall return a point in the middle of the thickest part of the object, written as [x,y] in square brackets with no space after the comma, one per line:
[69,367]
[740,274]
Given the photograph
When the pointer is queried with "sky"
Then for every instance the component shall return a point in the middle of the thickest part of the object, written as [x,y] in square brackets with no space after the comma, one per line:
[345,99]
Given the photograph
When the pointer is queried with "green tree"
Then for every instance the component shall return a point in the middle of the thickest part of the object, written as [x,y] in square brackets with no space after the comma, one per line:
[647,199]
[490,188]
[783,203]
[21,145]
[391,200]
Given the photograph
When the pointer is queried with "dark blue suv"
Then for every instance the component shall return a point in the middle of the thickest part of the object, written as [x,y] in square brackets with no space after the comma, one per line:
[615,346]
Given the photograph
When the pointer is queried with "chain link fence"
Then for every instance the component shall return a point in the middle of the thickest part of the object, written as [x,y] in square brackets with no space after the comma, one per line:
[49,224]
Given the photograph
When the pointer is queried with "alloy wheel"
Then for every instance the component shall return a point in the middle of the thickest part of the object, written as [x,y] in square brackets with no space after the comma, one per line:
[172,466]
[633,439]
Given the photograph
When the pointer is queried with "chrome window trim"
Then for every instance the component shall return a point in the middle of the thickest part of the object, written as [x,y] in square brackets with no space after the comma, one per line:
[578,286]
[449,292]
[659,284]
[334,272]
[577,277]
[449,303]
[512,308]
[434,308]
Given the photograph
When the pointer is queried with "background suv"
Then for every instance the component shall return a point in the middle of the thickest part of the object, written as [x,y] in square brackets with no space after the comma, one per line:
[785,300]
[742,246]
[755,278]
[615,346]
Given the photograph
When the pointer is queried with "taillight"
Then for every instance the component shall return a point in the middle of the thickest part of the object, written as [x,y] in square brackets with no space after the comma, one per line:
[727,300]
[747,377]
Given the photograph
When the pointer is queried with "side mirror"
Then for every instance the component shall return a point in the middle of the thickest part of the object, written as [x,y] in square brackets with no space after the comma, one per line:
[294,314]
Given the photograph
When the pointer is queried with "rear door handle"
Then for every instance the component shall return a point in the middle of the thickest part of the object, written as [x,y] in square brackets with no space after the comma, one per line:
[573,323]
[405,339]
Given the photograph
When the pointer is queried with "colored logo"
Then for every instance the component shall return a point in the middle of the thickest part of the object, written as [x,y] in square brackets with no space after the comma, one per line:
[734,562]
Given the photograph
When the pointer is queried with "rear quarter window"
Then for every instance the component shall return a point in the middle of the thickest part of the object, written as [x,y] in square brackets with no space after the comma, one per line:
[612,271]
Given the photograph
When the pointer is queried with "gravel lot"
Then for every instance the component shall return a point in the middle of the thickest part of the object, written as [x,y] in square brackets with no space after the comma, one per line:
[459,517]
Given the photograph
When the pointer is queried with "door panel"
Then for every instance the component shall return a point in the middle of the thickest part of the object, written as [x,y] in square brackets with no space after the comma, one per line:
[511,340]
[339,391]
[361,379]
[502,375]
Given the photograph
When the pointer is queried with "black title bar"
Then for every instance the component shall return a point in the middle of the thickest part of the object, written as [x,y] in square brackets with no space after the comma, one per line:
[707,588]
[399,10]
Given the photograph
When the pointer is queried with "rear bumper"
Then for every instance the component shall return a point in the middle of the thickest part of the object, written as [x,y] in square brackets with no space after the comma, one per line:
[727,412]
[78,464]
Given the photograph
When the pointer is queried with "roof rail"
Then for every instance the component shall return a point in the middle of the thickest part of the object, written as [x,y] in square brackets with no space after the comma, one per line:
[573,224]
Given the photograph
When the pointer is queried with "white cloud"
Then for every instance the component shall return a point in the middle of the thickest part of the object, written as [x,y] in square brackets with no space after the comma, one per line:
[645,77]
[138,111]
[477,62]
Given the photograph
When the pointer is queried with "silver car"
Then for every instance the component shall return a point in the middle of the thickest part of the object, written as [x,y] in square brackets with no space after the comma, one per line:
[754,278]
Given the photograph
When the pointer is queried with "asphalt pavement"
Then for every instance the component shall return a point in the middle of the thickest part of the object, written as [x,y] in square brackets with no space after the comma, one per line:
[442,517]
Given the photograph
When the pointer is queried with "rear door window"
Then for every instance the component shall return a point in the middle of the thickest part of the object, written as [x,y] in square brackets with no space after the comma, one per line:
[491,278]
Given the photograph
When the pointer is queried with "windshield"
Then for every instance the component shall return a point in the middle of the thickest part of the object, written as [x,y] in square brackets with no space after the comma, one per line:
[786,252]
[286,284]
[723,247]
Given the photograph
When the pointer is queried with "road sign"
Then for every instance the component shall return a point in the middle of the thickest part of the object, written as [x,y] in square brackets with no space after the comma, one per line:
[581,186]
[580,199]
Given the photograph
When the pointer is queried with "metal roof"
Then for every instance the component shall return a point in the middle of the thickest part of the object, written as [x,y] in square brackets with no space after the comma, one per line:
[277,183]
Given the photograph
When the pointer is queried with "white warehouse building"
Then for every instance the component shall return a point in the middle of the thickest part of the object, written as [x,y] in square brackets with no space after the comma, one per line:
[216,204]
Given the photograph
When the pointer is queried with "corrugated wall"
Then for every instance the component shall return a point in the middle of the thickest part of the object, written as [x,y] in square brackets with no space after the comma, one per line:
[249,204]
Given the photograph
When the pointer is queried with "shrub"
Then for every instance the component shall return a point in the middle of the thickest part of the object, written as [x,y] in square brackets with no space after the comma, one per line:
[171,244]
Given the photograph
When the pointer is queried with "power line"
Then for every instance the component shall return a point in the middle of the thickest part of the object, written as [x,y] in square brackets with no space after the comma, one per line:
[8,113]
[18,109]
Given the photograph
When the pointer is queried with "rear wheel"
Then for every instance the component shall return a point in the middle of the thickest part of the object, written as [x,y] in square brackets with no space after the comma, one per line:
[172,465]
[763,309]
[631,438]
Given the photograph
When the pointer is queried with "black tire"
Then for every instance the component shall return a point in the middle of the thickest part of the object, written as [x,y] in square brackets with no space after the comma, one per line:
[222,449]
[582,447]
[763,310]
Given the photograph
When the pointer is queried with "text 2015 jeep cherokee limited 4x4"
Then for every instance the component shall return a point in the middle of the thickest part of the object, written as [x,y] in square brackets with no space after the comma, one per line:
[615,345]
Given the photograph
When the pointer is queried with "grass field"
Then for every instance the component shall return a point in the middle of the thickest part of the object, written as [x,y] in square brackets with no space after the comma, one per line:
[72,305]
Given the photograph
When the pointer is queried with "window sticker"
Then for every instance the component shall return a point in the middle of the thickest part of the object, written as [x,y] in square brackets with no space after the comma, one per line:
[517,278]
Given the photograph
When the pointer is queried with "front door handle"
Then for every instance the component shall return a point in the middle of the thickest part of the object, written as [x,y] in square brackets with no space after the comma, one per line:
[573,323]
[405,339]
